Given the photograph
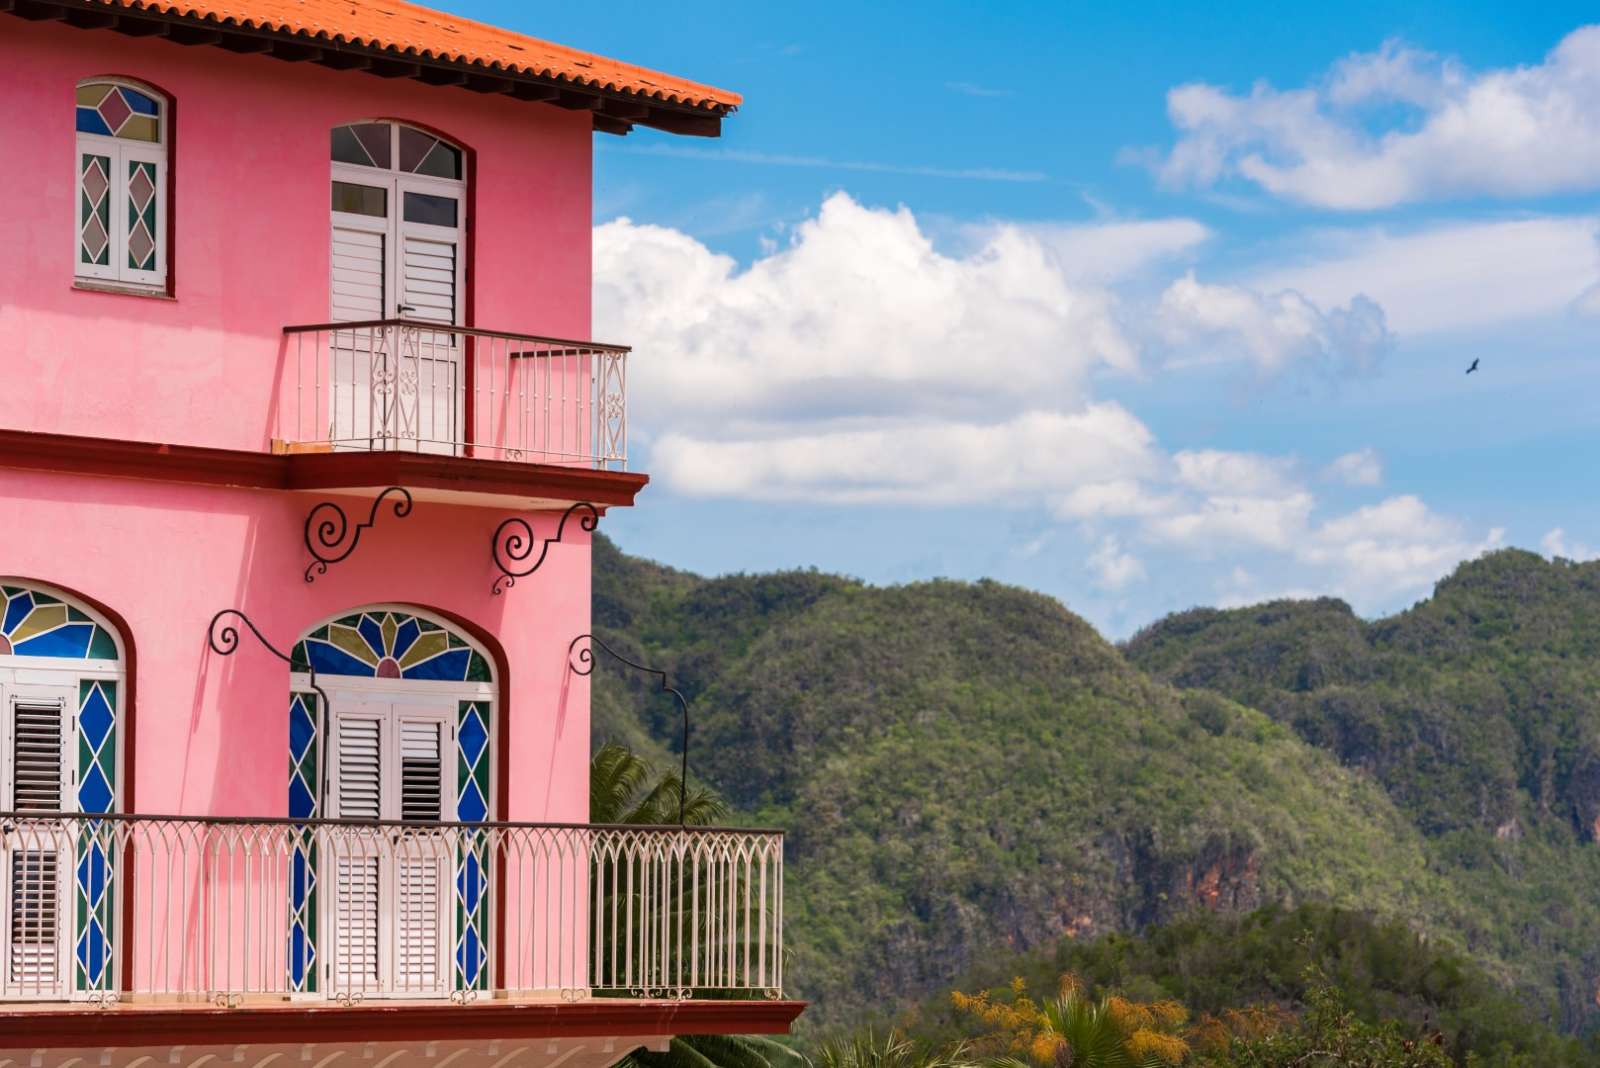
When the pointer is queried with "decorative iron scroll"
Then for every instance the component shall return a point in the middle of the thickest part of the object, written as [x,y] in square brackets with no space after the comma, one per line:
[582,663]
[224,639]
[332,530]
[515,547]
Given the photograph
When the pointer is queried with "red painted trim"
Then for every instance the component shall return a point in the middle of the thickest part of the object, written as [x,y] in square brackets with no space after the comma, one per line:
[308,471]
[134,1024]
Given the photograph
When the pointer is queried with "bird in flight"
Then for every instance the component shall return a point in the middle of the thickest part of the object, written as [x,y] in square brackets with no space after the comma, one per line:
[1473,368]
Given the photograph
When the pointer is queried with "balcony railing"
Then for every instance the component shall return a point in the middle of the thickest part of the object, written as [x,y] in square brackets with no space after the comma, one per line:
[230,910]
[400,384]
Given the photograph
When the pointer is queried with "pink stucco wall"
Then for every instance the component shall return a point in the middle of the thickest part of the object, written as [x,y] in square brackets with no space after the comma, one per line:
[251,244]
[211,733]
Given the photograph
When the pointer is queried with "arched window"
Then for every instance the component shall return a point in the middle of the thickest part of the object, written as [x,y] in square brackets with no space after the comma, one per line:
[121,226]
[61,693]
[407,736]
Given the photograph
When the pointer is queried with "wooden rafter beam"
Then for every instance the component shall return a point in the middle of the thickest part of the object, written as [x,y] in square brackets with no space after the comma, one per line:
[606,124]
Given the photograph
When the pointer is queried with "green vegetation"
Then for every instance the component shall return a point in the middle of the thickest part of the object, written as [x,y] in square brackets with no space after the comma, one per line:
[969,769]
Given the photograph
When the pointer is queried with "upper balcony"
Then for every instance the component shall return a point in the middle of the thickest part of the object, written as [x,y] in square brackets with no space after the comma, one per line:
[159,917]
[410,385]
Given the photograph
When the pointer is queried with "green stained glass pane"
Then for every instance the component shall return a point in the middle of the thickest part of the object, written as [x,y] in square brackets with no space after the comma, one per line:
[101,646]
[478,669]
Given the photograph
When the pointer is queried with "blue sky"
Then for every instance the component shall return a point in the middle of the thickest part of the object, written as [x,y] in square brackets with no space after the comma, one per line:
[1141,308]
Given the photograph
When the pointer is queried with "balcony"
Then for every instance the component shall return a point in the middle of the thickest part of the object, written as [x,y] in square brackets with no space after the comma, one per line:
[244,913]
[400,385]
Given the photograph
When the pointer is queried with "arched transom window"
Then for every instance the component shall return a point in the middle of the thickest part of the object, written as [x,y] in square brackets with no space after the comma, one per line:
[120,232]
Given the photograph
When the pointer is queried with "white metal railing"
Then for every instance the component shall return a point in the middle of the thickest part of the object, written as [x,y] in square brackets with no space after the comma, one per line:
[226,910]
[401,384]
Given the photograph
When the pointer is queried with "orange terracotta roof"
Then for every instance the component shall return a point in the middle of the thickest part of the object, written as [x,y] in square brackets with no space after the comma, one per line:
[413,30]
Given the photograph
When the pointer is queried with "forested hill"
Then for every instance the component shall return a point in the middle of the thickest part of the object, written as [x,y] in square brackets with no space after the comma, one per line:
[968,770]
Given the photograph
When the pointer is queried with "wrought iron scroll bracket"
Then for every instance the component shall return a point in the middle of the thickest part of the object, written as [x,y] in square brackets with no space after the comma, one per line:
[223,638]
[326,536]
[582,663]
[510,549]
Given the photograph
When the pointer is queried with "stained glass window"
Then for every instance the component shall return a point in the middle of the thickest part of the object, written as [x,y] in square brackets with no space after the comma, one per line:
[390,645]
[94,214]
[121,183]
[36,624]
[112,110]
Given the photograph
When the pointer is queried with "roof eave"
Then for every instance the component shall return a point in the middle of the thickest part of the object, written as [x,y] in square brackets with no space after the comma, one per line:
[615,111]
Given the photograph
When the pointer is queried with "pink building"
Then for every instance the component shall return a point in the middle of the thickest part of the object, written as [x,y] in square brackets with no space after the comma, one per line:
[299,472]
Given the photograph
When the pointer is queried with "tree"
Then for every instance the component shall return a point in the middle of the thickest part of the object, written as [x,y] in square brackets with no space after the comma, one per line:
[1073,1030]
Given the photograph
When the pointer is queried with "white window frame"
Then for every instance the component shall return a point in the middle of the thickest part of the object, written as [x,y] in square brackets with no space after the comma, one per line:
[121,152]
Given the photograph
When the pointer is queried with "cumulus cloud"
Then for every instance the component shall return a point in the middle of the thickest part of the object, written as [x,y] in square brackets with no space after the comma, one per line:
[1398,126]
[1557,547]
[1112,567]
[1361,468]
[861,364]
[1274,330]
[1451,276]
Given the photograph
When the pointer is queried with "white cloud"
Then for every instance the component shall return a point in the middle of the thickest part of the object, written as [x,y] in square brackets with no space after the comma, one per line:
[861,364]
[1399,126]
[1453,276]
[1274,330]
[1114,569]
[1361,468]
[1556,546]
[1109,251]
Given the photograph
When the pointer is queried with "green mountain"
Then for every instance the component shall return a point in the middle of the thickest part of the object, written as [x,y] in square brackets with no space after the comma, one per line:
[1477,711]
[967,769]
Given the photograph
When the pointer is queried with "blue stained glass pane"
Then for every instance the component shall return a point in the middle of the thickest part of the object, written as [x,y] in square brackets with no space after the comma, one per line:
[297,954]
[331,660]
[469,956]
[301,729]
[470,807]
[469,883]
[95,793]
[451,666]
[92,874]
[407,633]
[372,633]
[95,718]
[92,951]
[71,640]
[301,804]
[473,736]
[89,121]
[17,610]
[140,103]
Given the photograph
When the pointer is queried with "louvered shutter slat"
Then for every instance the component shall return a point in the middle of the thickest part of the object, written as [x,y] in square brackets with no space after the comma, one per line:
[32,851]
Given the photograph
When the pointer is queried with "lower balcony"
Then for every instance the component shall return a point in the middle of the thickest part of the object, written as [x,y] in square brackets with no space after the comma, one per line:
[401,385]
[132,913]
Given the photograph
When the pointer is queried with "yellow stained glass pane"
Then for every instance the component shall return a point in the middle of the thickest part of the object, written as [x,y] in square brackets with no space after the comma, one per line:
[43,618]
[388,628]
[91,95]
[350,640]
[424,647]
[141,128]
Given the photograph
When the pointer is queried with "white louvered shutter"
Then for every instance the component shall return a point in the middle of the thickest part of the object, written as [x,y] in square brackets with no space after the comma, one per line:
[358,275]
[360,293]
[34,851]
[429,282]
[358,866]
[422,862]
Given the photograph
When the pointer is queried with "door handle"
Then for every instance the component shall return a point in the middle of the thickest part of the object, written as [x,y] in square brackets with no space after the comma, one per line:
[405,308]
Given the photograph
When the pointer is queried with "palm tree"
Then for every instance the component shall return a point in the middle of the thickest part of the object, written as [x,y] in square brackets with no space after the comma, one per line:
[621,790]
[866,1049]
[624,788]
